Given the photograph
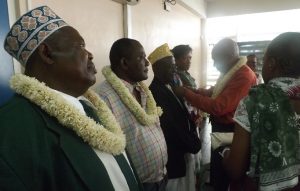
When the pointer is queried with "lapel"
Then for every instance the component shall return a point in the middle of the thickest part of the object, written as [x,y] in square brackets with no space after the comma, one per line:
[80,155]
[170,96]
[166,94]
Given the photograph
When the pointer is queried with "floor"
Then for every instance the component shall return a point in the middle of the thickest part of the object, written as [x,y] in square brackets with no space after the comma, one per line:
[205,154]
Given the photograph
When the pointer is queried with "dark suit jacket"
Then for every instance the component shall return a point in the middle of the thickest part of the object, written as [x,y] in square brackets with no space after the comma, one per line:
[180,137]
[39,154]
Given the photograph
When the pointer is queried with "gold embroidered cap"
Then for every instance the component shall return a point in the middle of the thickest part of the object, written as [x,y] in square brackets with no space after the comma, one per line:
[30,30]
[159,53]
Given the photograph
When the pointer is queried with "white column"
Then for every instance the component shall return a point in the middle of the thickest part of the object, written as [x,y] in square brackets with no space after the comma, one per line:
[127,21]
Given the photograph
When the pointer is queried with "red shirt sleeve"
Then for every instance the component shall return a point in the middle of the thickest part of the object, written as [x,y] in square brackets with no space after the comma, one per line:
[228,100]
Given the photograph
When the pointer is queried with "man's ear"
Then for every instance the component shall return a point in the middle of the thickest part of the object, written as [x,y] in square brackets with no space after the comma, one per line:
[124,64]
[44,52]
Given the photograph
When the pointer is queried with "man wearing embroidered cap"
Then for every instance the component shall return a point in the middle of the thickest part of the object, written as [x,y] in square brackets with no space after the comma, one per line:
[177,125]
[51,140]
[135,109]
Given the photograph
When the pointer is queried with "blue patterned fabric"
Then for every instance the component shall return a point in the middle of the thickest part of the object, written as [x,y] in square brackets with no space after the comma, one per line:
[30,30]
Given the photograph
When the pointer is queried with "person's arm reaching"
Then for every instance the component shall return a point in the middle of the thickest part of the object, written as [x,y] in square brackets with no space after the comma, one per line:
[227,101]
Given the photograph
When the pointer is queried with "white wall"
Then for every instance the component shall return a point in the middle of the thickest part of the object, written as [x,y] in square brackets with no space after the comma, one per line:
[217,8]
[154,27]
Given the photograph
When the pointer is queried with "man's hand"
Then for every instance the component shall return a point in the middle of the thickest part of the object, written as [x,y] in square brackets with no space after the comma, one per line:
[205,92]
[179,91]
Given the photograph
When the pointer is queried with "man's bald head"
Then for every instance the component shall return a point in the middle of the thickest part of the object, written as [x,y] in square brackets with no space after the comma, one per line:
[225,54]
[227,46]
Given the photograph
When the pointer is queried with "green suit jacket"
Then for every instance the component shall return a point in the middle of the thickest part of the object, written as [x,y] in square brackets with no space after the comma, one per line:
[39,154]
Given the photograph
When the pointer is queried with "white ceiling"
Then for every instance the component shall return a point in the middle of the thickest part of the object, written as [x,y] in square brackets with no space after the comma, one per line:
[217,8]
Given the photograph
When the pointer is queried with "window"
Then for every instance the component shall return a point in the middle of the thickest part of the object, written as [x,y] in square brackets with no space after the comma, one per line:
[253,32]
[255,47]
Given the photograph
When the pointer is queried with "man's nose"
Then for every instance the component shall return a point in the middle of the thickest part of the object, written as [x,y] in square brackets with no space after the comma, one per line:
[90,55]
[147,62]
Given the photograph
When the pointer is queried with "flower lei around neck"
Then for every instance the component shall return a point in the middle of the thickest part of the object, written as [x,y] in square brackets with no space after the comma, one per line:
[224,78]
[107,137]
[152,113]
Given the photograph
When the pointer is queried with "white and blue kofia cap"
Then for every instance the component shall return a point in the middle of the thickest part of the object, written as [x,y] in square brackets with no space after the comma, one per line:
[30,31]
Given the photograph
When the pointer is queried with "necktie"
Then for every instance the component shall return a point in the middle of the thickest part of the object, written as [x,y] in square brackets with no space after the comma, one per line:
[128,173]
[90,112]
[137,95]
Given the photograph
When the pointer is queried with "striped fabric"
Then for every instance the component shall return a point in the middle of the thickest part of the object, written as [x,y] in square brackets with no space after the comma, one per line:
[145,144]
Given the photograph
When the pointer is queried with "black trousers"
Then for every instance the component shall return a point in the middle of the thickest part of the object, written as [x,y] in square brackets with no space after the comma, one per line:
[219,127]
[218,176]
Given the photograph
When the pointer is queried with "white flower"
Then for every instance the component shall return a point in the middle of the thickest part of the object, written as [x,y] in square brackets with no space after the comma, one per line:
[256,117]
[275,148]
[293,120]
[274,107]
[107,137]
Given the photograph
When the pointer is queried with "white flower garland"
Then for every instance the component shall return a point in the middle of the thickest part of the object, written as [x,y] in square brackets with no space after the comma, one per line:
[107,137]
[223,79]
[153,112]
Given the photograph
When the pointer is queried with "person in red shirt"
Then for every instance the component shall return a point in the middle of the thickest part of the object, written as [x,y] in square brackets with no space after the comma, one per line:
[222,100]
[234,83]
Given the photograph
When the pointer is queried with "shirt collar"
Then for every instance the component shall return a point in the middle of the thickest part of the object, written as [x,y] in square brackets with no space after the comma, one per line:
[285,81]
[71,100]
[288,85]
[132,86]
[182,72]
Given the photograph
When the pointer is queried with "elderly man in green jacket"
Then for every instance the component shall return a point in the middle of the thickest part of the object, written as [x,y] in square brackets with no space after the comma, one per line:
[56,134]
